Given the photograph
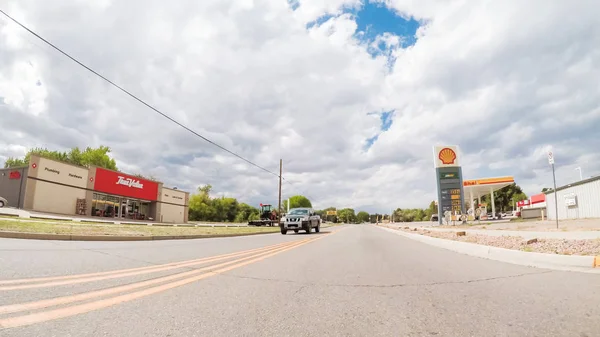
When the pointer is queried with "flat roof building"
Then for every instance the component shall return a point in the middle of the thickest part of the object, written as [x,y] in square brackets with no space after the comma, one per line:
[56,187]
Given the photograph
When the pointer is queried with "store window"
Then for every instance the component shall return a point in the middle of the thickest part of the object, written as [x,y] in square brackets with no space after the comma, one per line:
[98,204]
[136,209]
[145,209]
[105,205]
[114,207]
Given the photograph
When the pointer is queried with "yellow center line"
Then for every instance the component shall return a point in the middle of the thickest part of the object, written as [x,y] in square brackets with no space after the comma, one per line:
[113,272]
[109,291]
[104,303]
[138,272]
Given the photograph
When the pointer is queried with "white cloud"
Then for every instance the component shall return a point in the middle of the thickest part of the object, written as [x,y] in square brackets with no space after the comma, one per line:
[504,80]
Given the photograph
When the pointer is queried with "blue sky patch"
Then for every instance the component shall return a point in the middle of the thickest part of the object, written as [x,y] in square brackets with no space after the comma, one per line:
[386,119]
[294,4]
[321,20]
[371,141]
[374,20]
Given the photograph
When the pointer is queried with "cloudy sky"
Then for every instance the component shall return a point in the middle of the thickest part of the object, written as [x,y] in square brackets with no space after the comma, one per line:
[351,94]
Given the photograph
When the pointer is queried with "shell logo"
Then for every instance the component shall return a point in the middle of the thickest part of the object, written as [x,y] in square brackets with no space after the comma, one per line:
[447,156]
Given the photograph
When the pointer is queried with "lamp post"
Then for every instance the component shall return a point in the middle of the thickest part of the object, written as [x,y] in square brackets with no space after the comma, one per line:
[580,173]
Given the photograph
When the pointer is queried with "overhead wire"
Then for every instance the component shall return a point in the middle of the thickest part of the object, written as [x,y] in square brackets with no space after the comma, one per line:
[171,119]
[135,97]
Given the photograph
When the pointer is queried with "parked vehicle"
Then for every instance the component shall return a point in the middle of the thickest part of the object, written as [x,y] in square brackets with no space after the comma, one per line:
[3,202]
[268,216]
[300,218]
[435,218]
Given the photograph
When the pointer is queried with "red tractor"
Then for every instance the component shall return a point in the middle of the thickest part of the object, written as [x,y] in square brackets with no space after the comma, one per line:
[268,217]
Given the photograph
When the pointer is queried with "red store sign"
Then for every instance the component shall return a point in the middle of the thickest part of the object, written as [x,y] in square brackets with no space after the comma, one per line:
[125,185]
[14,175]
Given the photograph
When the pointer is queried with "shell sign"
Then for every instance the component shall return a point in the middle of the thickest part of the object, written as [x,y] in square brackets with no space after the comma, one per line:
[446,156]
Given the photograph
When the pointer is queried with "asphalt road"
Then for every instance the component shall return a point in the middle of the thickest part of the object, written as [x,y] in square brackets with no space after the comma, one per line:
[358,281]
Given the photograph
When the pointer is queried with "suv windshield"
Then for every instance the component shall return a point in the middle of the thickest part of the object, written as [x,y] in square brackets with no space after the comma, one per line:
[298,212]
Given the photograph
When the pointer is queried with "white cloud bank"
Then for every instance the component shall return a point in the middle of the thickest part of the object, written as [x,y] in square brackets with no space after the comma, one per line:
[505,80]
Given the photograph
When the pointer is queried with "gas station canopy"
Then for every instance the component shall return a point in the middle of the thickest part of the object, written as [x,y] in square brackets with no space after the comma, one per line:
[480,187]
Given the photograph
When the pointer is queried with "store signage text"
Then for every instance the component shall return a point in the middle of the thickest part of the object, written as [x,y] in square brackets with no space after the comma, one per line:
[129,182]
[75,176]
[174,197]
[52,170]
[121,184]
[14,175]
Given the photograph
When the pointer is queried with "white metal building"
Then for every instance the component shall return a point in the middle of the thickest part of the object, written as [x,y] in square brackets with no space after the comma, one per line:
[575,201]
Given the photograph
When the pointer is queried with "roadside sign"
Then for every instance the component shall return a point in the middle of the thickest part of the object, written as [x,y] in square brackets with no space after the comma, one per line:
[550,158]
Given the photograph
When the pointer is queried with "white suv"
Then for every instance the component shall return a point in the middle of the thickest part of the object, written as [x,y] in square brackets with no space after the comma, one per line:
[300,218]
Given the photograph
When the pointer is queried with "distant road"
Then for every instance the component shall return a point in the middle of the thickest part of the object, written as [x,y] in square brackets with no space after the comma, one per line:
[347,281]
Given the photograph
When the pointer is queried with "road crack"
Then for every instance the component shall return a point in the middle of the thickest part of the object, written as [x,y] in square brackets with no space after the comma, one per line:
[397,285]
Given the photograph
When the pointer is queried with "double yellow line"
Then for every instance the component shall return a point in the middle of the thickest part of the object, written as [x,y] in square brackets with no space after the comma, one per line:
[112,296]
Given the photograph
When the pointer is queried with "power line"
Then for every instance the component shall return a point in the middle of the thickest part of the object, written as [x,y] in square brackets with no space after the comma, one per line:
[135,97]
[297,189]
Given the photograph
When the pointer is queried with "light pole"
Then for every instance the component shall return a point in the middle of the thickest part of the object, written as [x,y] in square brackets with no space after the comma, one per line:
[551,162]
[580,173]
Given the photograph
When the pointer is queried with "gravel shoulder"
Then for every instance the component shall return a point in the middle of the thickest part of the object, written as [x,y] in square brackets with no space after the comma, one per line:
[537,225]
[550,246]
[74,228]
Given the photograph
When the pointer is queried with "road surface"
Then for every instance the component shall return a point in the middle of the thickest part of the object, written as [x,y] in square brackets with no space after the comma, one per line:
[346,281]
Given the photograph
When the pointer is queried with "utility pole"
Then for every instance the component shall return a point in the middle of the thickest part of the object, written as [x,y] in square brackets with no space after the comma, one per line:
[279,207]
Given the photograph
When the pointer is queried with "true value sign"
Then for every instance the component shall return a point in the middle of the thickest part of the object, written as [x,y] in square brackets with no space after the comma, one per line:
[117,183]
[129,182]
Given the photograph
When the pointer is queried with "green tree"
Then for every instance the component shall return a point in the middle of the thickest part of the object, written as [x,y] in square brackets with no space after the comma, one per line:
[204,208]
[362,216]
[200,205]
[93,156]
[432,209]
[546,189]
[347,215]
[15,162]
[503,199]
[226,209]
[88,157]
[245,212]
[297,201]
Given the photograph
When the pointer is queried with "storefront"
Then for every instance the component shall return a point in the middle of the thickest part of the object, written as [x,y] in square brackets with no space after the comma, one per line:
[56,187]
[118,195]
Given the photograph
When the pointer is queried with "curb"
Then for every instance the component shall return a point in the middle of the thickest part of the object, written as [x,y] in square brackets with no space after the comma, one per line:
[68,237]
[588,264]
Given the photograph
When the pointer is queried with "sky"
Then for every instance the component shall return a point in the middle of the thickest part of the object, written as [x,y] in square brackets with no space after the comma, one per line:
[352,95]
